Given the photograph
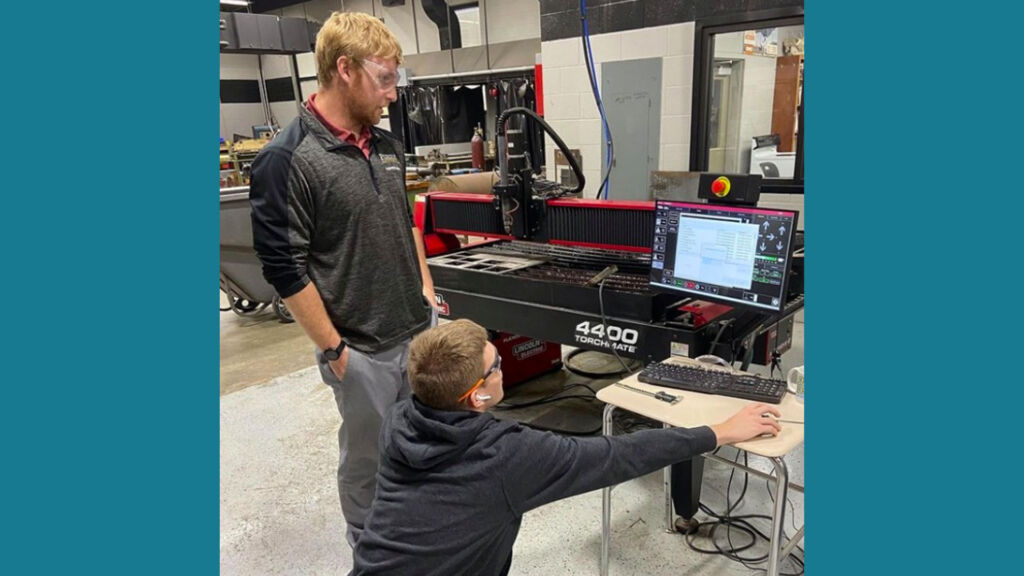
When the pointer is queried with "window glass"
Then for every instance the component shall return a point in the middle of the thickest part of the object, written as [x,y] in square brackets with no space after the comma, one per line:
[755,88]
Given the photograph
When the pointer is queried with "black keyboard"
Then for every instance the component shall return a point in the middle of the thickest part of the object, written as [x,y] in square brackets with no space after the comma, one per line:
[696,379]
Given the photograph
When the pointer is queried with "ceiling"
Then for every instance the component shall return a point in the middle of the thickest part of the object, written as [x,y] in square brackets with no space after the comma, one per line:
[261,6]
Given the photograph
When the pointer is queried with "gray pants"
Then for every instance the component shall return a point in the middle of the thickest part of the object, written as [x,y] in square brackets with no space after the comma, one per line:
[372,383]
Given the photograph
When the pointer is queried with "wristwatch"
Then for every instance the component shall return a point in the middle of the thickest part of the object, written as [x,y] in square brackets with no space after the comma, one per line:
[333,354]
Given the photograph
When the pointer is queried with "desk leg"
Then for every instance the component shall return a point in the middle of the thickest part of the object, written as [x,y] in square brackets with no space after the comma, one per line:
[687,477]
[778,515]
[669,517]
[606,498]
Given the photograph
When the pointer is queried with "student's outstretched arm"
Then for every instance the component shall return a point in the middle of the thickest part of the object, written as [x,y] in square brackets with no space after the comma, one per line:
[543,467]
[546,467]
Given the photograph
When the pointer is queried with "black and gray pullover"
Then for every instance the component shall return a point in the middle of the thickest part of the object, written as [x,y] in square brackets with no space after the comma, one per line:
[324,213]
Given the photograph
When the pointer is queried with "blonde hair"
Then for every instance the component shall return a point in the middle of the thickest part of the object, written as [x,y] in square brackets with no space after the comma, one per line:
[355,35]
[445,361]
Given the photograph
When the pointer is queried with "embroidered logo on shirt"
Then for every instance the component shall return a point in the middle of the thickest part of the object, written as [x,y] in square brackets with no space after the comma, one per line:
[390,162]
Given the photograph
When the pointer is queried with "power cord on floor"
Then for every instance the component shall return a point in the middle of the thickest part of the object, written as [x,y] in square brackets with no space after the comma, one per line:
[550,398]
[626,422]
[567,362]
[742,524]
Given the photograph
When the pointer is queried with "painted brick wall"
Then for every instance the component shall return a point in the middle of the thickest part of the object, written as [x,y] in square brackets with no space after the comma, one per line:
[569,103]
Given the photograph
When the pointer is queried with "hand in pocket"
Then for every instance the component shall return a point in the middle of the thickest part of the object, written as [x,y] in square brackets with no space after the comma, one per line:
[340,366]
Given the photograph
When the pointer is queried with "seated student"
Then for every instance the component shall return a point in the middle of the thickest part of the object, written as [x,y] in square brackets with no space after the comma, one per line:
[454,481]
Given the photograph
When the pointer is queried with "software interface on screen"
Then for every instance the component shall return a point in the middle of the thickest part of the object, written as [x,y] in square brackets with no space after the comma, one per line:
[730,254]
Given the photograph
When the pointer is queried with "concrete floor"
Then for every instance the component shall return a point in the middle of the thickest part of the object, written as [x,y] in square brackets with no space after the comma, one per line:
[279,509]
[257,348]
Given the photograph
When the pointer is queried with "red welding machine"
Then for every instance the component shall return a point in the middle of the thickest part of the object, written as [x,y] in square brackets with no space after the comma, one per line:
[523,358]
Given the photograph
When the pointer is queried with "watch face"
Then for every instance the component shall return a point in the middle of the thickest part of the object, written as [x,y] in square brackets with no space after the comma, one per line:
[333,354]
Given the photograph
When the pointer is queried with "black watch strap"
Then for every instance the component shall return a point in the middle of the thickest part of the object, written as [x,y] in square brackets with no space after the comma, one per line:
[333,354]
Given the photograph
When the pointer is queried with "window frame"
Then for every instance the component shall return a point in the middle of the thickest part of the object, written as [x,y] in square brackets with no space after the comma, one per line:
[703,59]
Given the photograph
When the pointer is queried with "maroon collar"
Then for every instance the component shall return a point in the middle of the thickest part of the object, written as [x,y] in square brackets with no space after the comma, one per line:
[362,141]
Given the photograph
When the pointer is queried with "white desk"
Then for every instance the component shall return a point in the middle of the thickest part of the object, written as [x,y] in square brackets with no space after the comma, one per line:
[696,409]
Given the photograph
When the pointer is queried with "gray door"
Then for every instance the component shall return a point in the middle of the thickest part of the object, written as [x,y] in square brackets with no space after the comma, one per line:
[631,90]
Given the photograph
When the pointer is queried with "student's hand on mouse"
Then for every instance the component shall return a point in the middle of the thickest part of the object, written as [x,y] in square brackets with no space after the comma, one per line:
[340,366]
[750,422]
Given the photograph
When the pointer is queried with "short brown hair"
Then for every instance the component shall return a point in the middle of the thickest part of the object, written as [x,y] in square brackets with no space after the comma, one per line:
[355,35]
[445,361]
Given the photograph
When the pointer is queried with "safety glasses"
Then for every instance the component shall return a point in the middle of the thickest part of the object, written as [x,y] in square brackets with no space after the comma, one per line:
[384,78]
[495,367]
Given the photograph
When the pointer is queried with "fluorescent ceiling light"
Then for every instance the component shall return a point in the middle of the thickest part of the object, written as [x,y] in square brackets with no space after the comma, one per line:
[235,2]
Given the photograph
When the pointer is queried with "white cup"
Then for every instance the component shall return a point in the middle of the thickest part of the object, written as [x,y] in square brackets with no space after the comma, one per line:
[795,382]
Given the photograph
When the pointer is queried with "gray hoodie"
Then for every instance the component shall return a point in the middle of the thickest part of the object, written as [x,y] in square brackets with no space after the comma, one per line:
[452,487]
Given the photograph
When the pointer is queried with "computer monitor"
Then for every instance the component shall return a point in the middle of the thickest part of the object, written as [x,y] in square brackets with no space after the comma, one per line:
[735,255]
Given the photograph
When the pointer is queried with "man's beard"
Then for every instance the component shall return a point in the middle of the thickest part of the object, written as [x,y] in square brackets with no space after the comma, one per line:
[368,116]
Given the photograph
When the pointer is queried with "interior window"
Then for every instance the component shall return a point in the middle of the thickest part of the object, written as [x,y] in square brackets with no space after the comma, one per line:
[748,105]
[754,109]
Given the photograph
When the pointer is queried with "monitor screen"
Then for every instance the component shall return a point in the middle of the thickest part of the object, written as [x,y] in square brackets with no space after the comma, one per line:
[730,254]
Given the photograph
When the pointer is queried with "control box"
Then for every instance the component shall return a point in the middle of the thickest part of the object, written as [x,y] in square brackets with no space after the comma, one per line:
[742,189]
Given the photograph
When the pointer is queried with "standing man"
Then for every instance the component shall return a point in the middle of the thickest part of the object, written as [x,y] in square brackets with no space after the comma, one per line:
[333,230]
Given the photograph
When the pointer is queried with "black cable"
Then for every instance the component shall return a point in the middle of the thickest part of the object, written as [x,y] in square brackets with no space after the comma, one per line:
[722,325]
[628,422]
[545,401]
[742,524]
[746,482]
[580,180]
[587,373]
[749,355]
[604,320]
[729,509]
[776,361]
[552,397]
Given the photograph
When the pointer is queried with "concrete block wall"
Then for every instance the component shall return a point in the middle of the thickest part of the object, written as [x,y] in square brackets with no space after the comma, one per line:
[276,66]
[239,117]
[569,105]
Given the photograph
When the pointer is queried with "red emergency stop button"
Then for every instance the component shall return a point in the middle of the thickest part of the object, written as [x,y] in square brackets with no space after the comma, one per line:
[720,187]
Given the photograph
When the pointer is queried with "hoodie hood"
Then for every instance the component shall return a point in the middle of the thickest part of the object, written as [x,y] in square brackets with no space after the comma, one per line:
[422,438]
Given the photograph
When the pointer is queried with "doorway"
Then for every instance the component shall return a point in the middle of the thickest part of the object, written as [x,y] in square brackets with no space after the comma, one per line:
[724,116]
